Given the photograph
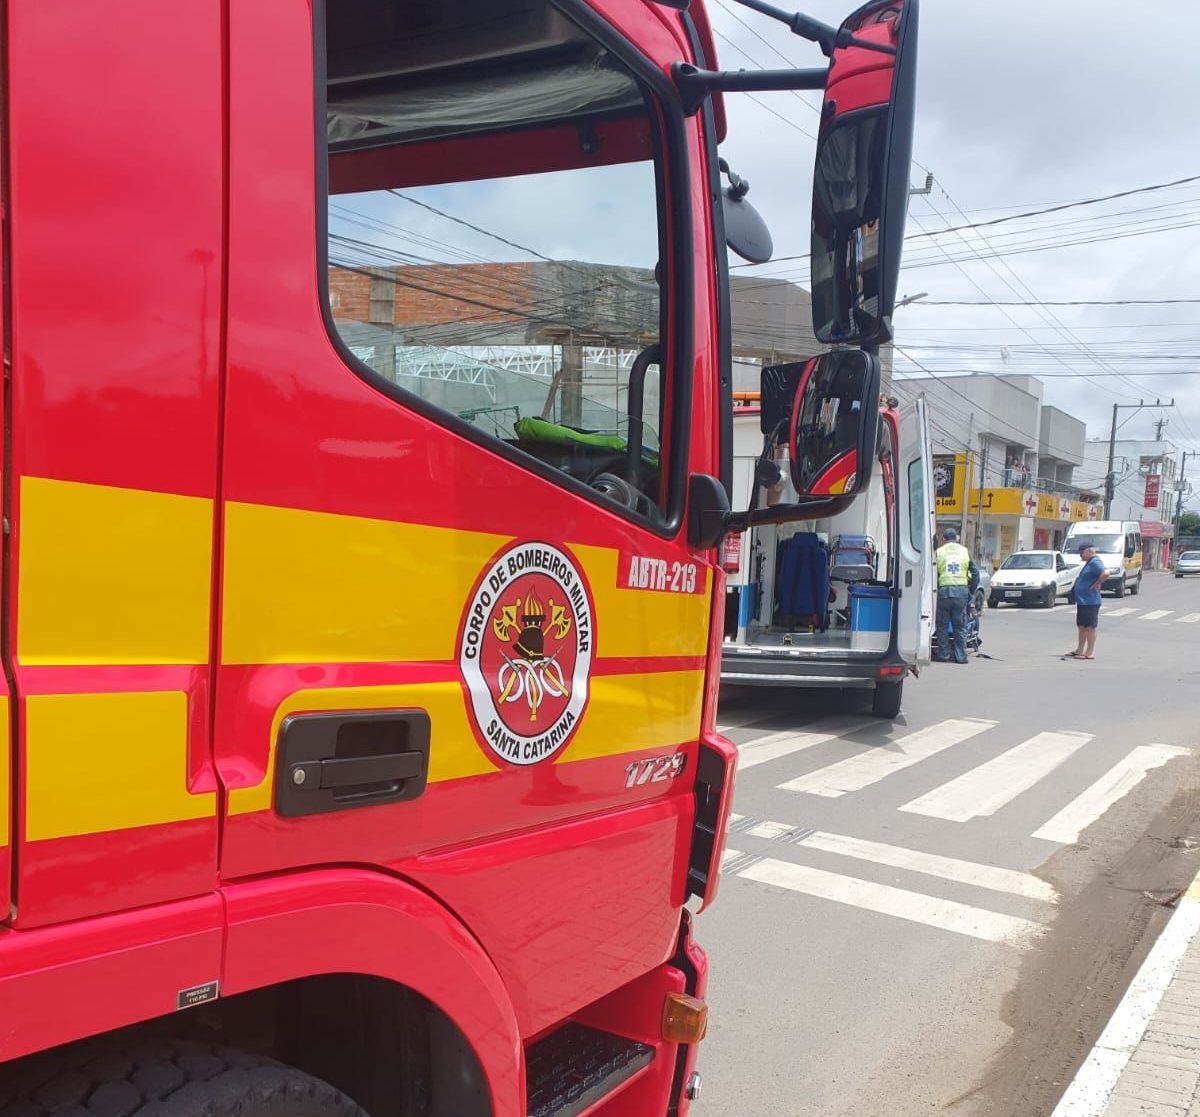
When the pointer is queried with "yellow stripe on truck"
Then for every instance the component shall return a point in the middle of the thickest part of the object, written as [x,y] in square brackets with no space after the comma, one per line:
[101,762]
[314,587]
[317,587]
[625,713]
[628,713]
[112,576]
[453,753]
[644,623]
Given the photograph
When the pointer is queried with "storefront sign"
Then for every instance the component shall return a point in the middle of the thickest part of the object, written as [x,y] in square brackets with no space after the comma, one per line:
[949,480]
[1153,483]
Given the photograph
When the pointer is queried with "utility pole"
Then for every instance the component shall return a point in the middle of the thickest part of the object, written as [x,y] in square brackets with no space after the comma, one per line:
[966,484]
[1179,491]
[1158,429]
[979,510]
[1109,477]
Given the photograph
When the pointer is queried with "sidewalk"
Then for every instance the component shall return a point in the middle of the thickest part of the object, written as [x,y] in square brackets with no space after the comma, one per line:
[1146,1062]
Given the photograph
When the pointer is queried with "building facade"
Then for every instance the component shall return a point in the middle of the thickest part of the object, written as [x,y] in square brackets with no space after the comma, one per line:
[1004,461]
[1144,476]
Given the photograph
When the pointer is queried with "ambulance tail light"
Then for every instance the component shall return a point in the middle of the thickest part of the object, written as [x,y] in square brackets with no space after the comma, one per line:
[715,770]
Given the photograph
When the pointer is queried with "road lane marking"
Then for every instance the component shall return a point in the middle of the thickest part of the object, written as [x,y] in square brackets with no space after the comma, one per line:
[947,915]
[1156,614]
[1191,618]
[1066,826]
[773,746]
[857,772]
[984,790]
[1120,612]
[991,877]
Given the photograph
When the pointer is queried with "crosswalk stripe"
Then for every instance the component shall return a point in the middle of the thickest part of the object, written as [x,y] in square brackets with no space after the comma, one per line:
[1066,826]
[776,745]
[991,877]
[856,772]
[1120,612]
[984,790]
[948,915]
[770,830]
[1156,614]
[1190,618]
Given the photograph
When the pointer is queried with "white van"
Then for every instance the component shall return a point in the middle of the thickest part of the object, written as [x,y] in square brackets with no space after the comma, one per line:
[871,567]
[1118,543]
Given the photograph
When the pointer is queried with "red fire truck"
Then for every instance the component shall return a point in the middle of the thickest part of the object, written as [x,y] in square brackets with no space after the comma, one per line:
[361,647]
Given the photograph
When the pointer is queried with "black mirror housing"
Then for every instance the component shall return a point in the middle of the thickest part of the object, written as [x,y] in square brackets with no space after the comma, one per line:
[861,180]
[827,410]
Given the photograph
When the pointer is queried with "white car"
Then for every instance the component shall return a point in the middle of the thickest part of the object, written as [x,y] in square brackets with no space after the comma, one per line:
[1187,563]
[1031,578]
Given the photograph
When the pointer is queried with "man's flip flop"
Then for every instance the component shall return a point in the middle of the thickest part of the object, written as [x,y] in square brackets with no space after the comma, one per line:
[1073,655]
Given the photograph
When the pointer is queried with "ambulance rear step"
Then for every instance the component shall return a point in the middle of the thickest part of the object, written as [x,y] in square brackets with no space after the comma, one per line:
[574,1067]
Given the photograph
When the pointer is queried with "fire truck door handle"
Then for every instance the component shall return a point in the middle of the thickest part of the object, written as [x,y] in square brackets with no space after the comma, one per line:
[336,762]
[358,771]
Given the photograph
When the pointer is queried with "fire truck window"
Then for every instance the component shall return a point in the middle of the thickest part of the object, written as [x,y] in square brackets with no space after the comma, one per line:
[494,230]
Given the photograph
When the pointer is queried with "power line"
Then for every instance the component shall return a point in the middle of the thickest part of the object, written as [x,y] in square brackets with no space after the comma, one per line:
[1067,205]
[1071,302]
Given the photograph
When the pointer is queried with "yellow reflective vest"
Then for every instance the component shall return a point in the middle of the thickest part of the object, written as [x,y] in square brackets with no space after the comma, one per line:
[953,565]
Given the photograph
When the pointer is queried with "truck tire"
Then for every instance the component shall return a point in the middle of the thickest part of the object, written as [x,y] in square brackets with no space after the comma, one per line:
[1051,598]
[164,1078]
[885,702]
[1119,589]
[1136,588]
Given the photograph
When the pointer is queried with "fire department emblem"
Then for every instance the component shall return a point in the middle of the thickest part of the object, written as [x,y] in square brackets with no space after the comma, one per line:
[525,652]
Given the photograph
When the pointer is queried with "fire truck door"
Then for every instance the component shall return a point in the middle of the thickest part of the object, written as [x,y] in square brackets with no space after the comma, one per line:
[463,637]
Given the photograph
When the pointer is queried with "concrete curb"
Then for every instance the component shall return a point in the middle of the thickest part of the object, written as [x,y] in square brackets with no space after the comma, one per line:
[1147,1059]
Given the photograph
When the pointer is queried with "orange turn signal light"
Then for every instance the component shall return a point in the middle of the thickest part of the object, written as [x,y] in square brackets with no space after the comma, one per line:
[684,1018]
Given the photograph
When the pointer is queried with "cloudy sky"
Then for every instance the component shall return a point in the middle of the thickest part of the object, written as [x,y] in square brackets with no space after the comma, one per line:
[1021,106]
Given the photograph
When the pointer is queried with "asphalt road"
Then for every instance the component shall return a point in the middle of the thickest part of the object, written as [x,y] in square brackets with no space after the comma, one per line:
[939,915]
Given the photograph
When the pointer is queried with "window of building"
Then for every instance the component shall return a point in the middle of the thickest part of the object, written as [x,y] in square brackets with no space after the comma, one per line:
[496,233]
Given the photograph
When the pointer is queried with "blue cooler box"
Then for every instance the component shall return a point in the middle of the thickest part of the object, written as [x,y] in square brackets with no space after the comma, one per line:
[870,618]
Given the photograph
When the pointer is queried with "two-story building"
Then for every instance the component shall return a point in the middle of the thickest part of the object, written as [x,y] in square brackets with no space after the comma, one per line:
[1144,476]
[1004,462]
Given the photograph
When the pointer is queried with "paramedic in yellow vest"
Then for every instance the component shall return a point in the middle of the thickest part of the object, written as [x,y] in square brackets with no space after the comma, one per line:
[955,573]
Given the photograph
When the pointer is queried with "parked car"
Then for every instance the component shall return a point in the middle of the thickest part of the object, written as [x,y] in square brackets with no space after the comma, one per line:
[1031,578]
[982,590]
[1187,563]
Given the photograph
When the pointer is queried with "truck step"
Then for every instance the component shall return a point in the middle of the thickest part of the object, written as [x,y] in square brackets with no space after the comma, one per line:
[574,1067]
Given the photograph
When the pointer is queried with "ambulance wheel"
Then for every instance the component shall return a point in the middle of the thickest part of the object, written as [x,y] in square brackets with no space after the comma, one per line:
[886,701]
[164,1078]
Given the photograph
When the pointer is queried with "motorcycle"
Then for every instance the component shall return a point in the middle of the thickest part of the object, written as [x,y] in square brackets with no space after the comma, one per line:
[972,639]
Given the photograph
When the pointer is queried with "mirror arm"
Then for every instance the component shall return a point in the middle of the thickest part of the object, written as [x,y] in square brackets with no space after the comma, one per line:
[695,85]
[737,522]
[826,37]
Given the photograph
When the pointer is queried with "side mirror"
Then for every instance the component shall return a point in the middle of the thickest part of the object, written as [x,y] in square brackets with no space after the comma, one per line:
[745,230]
[827,408]
[861,180]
